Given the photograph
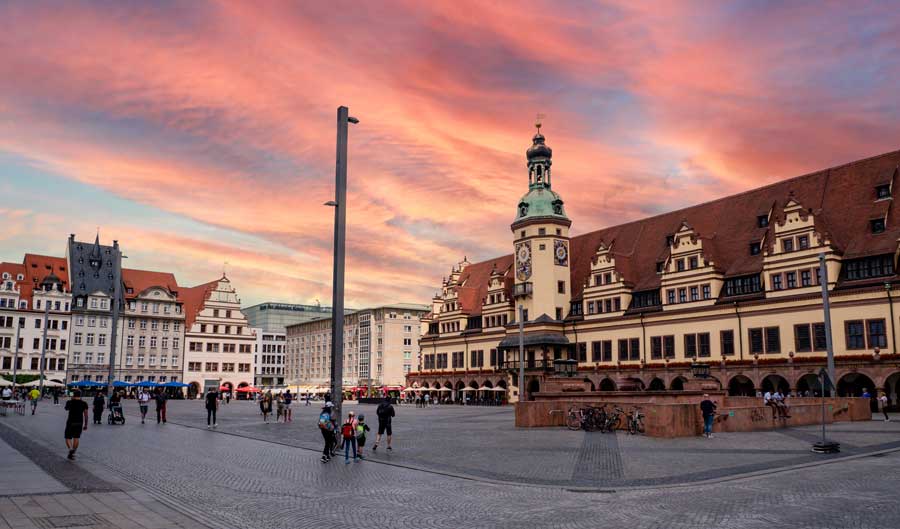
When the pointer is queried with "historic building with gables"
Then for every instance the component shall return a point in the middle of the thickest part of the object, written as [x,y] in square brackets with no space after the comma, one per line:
[733,283]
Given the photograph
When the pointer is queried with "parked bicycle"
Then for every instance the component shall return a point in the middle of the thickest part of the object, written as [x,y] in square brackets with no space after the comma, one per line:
[611,424]
[635,422]
[589,419]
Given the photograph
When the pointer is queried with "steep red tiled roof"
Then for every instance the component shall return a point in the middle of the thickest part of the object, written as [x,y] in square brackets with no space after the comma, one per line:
[842,199]
[140,280]
[193,299]
[37,268]
[475,279]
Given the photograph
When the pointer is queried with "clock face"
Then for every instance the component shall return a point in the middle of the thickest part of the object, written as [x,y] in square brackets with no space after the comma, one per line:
[560,253]
[523,261]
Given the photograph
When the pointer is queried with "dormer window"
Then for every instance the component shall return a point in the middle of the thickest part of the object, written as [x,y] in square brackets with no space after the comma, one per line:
[693,263]
[679,265]
[660,266]
[754,248]
[670,240]
[787,245]
[877,225]
[803,242]
[762,221]
[882,191]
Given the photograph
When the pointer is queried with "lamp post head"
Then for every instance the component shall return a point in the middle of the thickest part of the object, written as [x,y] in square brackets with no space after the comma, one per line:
[331,203]
[352,119]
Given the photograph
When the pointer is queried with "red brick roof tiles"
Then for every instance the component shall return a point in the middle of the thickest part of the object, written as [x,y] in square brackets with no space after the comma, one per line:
[842,199]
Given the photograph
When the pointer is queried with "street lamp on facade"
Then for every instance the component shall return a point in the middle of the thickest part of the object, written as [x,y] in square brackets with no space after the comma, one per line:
[700,370]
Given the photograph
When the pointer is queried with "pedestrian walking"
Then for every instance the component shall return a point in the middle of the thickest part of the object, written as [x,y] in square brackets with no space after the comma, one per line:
[708,408]
[348,433]
[288,399]
[227,397]
[265,406]
[279,407]
[34,395]
[55,393]
[212,406]
[361,429]
[99,405]
[307,399]
[326,426]
[160,406]
[385,413]
[883,401]
[144,403]
[76,421]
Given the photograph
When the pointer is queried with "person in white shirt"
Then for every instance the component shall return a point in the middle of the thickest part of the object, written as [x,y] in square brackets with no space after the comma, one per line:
[144,403]
[7,393]
[883,401]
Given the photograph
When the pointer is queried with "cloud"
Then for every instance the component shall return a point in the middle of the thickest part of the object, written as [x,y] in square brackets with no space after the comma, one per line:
[222,113]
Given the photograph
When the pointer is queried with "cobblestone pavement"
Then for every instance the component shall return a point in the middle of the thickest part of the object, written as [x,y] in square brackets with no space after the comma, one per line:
[244,481]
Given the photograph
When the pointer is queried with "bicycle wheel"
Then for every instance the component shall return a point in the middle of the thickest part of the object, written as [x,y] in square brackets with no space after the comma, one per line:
[639,425]
[573,420]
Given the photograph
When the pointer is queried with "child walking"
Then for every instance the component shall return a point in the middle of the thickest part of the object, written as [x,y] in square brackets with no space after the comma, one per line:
[348,432]
[361,429]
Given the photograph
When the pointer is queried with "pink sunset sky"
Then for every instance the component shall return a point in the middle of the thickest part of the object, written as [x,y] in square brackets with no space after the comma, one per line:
[201,132]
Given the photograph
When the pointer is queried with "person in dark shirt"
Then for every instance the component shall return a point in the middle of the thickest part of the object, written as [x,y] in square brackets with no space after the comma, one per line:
[708,408]
[212,405]
[76,421]
[385,413]
[160,406]
[99,405]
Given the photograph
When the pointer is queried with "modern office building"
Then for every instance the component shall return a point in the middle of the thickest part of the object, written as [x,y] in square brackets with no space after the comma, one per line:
[380,347]
[733,283]
[271,316]
[268,356]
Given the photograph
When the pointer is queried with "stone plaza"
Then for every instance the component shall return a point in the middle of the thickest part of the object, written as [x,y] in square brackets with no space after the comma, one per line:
[452,466]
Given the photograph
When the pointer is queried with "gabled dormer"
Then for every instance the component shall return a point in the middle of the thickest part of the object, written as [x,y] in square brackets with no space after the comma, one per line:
[496,310]
[689,276]
[606,292]
[791,252]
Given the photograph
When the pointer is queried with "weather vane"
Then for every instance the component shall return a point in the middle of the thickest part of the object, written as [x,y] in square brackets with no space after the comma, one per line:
[224,265]
[537,121]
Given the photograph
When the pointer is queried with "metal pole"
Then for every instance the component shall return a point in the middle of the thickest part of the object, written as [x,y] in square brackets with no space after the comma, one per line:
[43,347]
[16,355]
[521,353]
[829,345]
[337,296]
[117,277]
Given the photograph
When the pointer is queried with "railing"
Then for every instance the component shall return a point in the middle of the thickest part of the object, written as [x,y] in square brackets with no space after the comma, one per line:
[532,364]
[523,289]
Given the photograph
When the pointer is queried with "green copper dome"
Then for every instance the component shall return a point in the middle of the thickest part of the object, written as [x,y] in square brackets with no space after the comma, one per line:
[540,202]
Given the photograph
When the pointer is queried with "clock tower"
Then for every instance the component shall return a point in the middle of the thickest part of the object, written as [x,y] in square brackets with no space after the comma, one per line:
[541,239]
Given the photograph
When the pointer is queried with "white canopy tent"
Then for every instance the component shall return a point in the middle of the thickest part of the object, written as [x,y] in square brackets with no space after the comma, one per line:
[4,383]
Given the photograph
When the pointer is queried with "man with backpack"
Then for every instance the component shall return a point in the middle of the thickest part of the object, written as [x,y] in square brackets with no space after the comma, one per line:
[326,426]
[385,414]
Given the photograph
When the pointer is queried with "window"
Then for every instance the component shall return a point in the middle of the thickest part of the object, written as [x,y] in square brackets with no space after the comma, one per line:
[596,351]
[876,334]
[855,334]
[802,338]
[656,348]
[77,340]
[590,307]
[695,295]
[776,282]
[707,292]
[90,339]
[819,339]
[682,295]
[787,244]
[690,345]
[791,279]
[875,266]
[805,278]
[737,286]
[493,357]
[756,341]
[623,350]
[877,225]
[762,221]
[559,314]
[212,366]
[670,296]
[101,339]
[703,345]
[882,191]
[679,265]
[142,341]
[773,340]
[726,339]
[607,278]
[692,262]
[803,242]
[561,287]
[645,298]
[607,305]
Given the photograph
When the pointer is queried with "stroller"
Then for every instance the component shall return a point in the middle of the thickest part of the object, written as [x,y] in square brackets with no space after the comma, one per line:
[116,416]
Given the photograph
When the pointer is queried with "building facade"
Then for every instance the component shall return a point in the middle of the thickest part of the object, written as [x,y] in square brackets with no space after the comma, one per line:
[268,356]
[733,283]
[151,328]
[272,316]
[219,342]
[30,292]
[380,347]
[93,271]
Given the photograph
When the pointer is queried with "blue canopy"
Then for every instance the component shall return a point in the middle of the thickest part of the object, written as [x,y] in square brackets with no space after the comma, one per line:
[86,384]
[175,385]
[145,384]
[120,384]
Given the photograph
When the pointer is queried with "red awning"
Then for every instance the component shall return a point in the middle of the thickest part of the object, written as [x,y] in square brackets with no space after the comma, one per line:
[248,389]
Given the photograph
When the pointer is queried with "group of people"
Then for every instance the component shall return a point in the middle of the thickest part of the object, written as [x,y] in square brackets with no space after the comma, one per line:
[777,401]
[114,404]
[33,396]
[282,401]
[353,431]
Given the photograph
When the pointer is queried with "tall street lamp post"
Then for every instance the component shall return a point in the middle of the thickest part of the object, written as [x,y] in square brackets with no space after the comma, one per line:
[44,344]
[340,230]
[117,289]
